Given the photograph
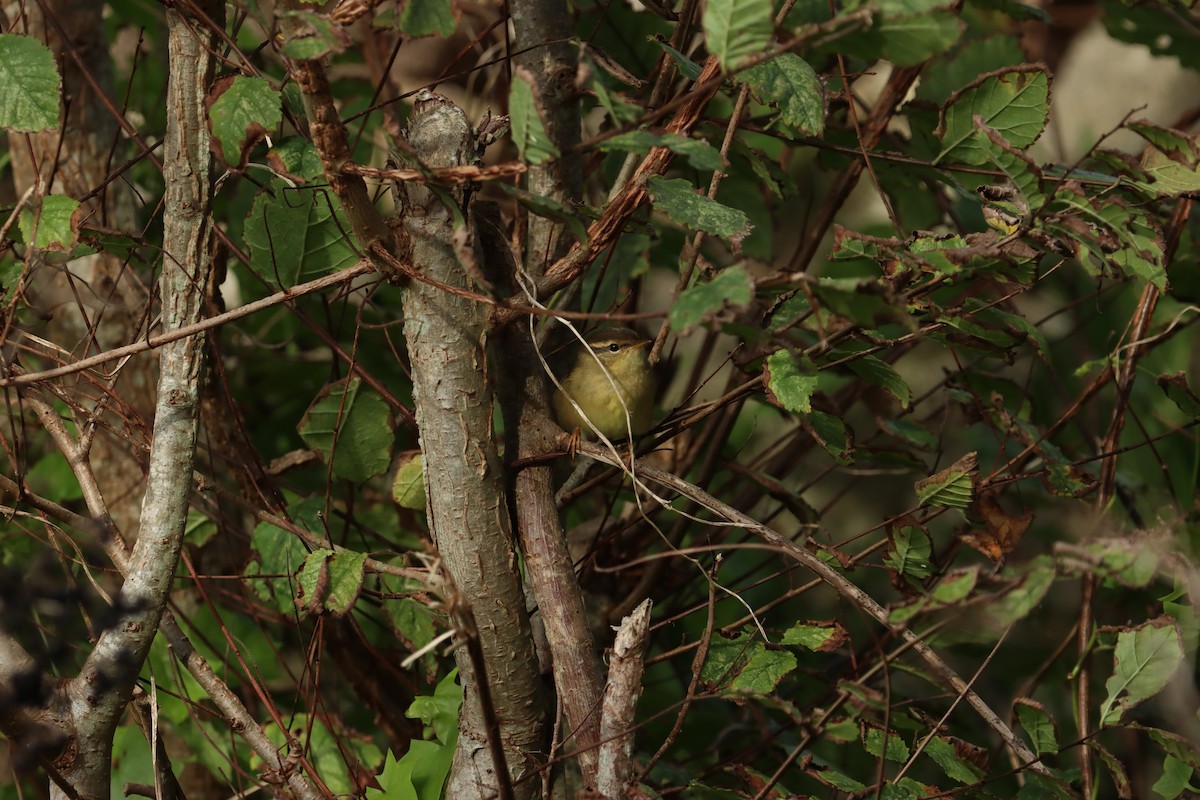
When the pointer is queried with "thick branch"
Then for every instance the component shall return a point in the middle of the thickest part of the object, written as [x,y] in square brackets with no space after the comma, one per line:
[464,479]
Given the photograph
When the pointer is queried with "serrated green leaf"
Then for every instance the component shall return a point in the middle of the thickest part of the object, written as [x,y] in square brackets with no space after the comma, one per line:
[1116,770]
[1032,581]
[743,666]
[316,38]
[820,637]
[833,435]
[1145,660]
[942,77]
[953,487]
[1177,389]
[955,586]
[243,113]
[956,767]
[296,157]
[1013,103]
[1019,168]
[790,384]
[30,86]
[351,424]
[837,780]
[700,154]
[687,68]
[677,198]
[878,372]
[910,553]
[1183,748]
[52,219]
[1038,725]
[729,288]
[280,553]
[528,132]
[292,235]
[331,579]
[908,40]
[408,487]
[428,18]
[788,83]
[737,29]
[873,742]
[911,431]
[412,622]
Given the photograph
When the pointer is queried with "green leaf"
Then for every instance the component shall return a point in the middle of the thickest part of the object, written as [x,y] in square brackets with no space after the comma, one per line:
[788,83]
[1171,163]
[317,37]
[1129,560]
[1176,387]
[297,158]
[1014,103]
[1020,169]
[528,133]
[700,154]
[737,29]
[790,384]
[395,780]
[1034,581]
[53,221]
[1176,778]
[820,637]
[832,434]
[878,372]
[330,581]
[30,87]
[1145,660]
[743,666]
[279,553]
[911,431]
[953,487]
[941,77]
[52,476]
[412,622]
[910,553]
[1116,770]
[428,18]
[408,487]
[243,112]
[293,235]
[687,68]
[908,40]
[1183,748]
[955,586]
[439,711]
[199,529]
[1156,26]
[730,288]
[957,768]
[325,751]
[551,209]
[677,198]
[351,425]
[873,742]
[1038,724]
[1139,247]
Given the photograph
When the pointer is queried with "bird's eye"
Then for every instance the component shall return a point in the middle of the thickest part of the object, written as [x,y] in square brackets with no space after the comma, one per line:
[614,347]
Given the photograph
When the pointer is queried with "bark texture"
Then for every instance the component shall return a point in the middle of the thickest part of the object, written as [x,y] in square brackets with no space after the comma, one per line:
[464,479]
